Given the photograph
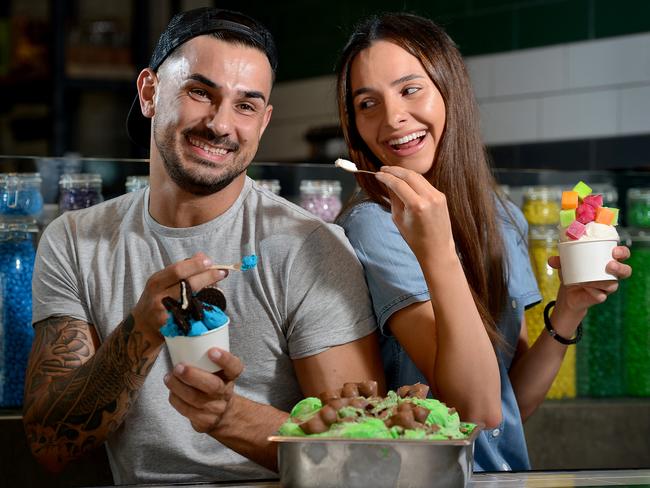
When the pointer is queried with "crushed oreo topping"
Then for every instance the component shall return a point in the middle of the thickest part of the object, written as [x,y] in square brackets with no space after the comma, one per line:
[191,306]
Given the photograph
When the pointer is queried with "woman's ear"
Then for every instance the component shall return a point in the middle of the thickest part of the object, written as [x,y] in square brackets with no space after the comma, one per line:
[147,84]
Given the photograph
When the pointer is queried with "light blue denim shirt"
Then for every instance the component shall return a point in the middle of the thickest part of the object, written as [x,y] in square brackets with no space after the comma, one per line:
[395,281]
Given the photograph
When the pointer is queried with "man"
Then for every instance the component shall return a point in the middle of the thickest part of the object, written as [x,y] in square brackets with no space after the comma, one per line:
[301,321]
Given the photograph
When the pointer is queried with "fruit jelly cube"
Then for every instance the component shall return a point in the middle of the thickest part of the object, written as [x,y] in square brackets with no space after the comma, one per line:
[604,216]
[569,200]
[582,189]
[585,213]
[567,216]
[576,230]
[615,212]
[593,200]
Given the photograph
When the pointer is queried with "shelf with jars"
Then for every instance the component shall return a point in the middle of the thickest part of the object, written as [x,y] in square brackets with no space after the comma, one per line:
[608,372]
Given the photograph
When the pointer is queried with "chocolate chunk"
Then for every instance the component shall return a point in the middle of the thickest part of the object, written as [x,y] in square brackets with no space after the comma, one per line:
[329,395]
[212,296]
[417,390]
[328,415]
[314,425]
[350,390]
[368,388]
[420,414]
[359,402]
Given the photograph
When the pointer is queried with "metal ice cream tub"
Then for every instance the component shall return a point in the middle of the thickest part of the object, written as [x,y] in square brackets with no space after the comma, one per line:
[322,462]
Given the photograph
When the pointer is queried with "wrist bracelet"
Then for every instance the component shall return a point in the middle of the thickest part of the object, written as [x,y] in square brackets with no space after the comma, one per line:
[554,334]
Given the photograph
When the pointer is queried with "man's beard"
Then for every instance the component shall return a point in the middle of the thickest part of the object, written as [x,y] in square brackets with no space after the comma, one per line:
[190,181]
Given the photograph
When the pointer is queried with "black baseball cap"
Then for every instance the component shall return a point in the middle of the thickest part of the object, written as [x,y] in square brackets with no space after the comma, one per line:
[229,25]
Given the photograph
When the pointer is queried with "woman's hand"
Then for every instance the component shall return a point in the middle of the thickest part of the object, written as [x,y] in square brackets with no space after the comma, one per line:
[419,211]
[578,298]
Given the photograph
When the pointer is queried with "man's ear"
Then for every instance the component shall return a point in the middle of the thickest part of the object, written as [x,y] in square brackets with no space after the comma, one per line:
[147,84]
[267,118]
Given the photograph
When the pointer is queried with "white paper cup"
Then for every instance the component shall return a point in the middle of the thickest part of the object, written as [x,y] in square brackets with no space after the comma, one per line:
[584,261]
[193,350]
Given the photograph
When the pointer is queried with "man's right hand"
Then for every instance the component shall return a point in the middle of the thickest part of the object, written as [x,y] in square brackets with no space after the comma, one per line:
[149,313]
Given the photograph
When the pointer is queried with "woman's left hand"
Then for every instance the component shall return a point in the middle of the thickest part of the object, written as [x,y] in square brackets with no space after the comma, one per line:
[580,297]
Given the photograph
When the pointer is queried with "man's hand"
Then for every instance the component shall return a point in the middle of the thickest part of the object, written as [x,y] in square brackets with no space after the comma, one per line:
[149,313]
[204,397]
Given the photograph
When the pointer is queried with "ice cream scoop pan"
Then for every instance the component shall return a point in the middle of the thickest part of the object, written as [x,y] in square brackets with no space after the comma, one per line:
[322,462]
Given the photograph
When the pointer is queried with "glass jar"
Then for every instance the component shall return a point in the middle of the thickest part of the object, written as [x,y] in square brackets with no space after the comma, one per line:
[135,183]
[638,207]
[636,328]
[17,254]
[600,361]
[541,205]
[79,190]
[321,197]
[20,194]
[542,244]
[272,185]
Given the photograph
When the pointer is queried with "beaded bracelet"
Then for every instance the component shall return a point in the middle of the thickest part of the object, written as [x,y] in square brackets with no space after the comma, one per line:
[554,334]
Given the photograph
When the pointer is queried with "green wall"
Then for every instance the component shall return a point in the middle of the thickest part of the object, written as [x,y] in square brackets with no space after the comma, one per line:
[310,33]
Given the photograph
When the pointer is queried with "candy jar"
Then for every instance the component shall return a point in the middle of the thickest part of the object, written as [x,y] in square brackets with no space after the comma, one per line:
[541,205]
[542,243]
[20,194]
[79,190]
[636,328]
[134,183]
[16,333]
[321,197]
[638,207]
[272,185]
[599,362]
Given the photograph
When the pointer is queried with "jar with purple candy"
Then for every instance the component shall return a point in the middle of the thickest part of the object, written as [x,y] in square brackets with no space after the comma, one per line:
[17,254]
[79,190]
[20,194]
[321,197]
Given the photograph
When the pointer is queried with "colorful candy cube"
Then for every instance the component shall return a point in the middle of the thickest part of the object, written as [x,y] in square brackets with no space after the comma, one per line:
[569,200]
[604,216]
[615,212]
[567,216]
[582,189]
[576,230]
[585,213]
[593,200]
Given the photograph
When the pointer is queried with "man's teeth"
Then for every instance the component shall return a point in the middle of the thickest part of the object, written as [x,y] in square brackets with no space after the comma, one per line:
[405,139]
[208,148]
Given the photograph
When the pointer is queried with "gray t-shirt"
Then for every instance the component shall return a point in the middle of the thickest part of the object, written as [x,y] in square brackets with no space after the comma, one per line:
[306,294]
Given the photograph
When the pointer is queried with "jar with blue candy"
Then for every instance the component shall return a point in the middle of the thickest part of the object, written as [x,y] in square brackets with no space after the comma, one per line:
[79,190]
[20,194]
[17,253]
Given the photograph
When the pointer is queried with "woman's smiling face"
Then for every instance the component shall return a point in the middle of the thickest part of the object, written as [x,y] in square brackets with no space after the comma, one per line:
[399,112]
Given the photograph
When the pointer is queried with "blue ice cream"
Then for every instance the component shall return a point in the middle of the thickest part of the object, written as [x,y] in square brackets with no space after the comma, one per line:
[213,318]
[248,262]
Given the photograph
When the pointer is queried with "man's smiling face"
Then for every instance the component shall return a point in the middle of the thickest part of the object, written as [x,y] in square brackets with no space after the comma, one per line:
[210,109]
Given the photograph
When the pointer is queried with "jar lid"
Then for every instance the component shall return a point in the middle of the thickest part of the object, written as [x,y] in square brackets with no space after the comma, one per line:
[272,185]
[638,193]
[137,179]
[19,225]
[18,181]
[548,233]
[542,192]
[70,180]
[318,186]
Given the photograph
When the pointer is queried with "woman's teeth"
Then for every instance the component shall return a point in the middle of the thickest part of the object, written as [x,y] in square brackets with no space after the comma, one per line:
[207,147]
[405,139]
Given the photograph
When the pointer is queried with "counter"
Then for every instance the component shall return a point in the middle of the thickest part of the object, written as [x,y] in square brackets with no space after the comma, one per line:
[534,479]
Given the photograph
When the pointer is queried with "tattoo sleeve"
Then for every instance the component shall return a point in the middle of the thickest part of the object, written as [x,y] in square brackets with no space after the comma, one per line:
[75,396]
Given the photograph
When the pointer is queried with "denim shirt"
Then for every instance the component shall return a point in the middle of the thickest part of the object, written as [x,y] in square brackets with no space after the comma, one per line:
[396,281]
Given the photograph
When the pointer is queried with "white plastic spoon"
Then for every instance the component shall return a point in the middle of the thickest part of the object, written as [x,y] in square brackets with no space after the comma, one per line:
[350,166]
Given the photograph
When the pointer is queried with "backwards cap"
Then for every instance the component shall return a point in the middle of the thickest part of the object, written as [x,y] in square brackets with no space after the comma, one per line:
[188,25]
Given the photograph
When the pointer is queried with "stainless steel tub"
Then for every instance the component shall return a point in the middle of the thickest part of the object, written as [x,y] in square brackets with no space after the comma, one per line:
[362,463]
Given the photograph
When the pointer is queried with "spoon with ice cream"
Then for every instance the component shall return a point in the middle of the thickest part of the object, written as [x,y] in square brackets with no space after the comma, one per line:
[247,262]
[350,166]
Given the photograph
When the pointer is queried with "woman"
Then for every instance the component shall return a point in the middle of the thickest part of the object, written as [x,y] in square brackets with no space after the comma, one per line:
[445,254]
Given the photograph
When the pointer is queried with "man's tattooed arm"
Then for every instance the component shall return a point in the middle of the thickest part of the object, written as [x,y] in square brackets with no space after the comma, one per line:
[76,393]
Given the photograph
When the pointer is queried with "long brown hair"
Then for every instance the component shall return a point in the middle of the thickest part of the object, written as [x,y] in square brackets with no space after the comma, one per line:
[460,170]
